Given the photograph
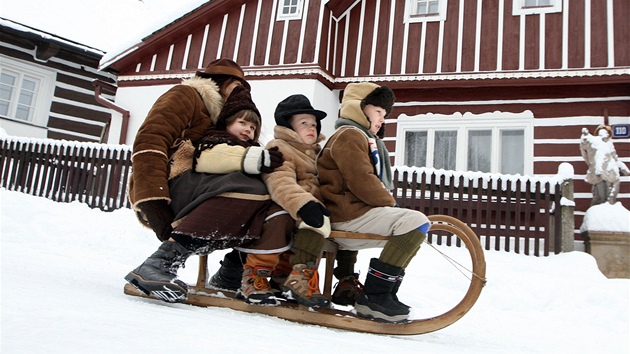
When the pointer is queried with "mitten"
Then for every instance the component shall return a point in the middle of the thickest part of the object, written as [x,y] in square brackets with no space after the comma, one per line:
[270,160]
[159,216]
[312,213]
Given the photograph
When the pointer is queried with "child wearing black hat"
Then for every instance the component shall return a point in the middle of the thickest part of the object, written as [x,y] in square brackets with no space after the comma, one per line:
[294,186]
[355,179]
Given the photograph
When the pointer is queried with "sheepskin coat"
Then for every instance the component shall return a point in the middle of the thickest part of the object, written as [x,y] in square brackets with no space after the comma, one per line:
[183,114]
[348,181]
[295,183]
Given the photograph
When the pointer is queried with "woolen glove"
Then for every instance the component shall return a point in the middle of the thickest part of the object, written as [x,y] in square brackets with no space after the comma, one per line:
[159,216]
[270,160]
[312,213]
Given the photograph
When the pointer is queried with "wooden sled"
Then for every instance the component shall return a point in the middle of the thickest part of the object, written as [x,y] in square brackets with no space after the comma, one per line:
[200,295]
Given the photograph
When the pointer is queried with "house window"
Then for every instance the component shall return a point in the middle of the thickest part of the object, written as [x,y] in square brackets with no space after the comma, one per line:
[502,145]
[528,7]
[25,91]
[290,9]
[425,10]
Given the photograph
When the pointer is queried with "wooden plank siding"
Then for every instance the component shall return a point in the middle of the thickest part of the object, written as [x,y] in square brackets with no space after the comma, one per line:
[74,113]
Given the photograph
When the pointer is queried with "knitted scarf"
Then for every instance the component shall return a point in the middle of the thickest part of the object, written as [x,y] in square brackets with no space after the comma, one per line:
[378,152]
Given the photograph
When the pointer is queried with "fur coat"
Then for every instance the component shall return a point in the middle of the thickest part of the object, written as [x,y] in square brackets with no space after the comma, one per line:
[181,116]
[295,183]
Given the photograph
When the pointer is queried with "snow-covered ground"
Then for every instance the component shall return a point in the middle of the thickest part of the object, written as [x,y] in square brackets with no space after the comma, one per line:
[62,269]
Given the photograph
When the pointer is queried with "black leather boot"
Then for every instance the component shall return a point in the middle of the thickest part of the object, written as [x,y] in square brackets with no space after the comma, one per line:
[157,276]
[230,273]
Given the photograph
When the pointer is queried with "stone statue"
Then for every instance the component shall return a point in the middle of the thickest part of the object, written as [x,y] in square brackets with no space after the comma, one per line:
[604,166]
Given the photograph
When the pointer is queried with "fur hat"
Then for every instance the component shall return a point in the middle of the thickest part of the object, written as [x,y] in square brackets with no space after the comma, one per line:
[381,96]
[239,100]
[221,68]
[358,95]
[296,104]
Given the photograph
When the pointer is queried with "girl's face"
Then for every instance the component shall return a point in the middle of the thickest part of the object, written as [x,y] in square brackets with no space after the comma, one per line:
[305,125]
[376,115]
[228,86]
[242,129]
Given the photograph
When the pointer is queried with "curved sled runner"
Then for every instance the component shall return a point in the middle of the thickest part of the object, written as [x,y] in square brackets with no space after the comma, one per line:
[199,295]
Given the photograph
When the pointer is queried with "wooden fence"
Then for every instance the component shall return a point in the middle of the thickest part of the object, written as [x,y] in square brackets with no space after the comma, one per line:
[516,214]
[95,174]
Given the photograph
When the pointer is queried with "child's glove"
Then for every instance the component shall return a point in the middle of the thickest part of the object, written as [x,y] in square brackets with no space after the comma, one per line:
[159,216]
[270,160]
[312,213]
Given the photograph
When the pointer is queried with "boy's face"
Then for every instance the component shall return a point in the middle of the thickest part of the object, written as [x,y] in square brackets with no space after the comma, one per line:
[242,129]
[376,115]
[305,125]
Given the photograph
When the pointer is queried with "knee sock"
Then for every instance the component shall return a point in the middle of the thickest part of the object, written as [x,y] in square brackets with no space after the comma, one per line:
[307,247]
[399,250]
[345,263]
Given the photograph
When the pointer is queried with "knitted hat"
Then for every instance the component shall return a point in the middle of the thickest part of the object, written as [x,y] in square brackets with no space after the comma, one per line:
[239,100]
[296,104]
[223,67]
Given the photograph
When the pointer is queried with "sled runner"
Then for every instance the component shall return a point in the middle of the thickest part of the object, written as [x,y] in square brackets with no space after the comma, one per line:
[200,295]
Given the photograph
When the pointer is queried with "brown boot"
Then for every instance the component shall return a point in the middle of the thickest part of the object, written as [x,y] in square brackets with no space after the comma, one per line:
[255,287]
[302,285]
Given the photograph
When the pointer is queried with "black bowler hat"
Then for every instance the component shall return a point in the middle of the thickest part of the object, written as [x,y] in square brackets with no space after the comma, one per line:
[297,104]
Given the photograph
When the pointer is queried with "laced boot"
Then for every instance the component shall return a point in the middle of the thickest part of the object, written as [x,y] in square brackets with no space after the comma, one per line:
[157,276]
[230,273]
[347,290]
[255,287]
[302,285]
[376,301]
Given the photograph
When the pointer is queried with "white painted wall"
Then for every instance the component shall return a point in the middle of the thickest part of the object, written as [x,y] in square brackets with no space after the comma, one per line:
[265,93]
[13,128]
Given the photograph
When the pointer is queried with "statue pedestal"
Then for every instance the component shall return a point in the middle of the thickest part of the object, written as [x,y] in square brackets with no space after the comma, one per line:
[611,251]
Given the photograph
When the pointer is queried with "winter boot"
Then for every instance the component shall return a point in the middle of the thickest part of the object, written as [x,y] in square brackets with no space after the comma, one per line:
[255,287]
[302,285]
[230,273]
[395,289]
[347,290]
[157,276]
[376,301]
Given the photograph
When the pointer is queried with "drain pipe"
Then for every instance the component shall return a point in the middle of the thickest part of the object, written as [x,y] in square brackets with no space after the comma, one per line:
[98,86]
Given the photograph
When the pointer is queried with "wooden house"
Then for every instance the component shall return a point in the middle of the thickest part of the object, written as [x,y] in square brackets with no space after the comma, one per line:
[51,87]
[499,86]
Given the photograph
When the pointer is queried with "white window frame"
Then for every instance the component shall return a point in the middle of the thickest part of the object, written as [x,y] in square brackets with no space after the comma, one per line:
[280,16]
[410,18]
[496,122]
[45,93]
[519,8]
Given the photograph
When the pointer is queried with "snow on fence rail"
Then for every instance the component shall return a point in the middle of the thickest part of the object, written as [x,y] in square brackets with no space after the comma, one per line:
[513,213]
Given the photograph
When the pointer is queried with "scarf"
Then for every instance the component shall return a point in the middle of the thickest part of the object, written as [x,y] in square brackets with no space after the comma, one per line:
[378,152]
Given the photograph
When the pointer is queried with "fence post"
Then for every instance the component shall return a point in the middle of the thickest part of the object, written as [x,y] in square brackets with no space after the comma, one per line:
[567,206]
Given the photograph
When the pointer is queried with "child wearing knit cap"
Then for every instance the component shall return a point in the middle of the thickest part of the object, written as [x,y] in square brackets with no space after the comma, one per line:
[294,186]
[355,178]
[237,209]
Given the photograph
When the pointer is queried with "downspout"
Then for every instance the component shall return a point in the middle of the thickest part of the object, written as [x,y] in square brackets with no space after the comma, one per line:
[98,85]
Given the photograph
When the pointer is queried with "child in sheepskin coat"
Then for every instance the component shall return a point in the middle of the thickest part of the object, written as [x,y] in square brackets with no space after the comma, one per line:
[295,187]
[355,181]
